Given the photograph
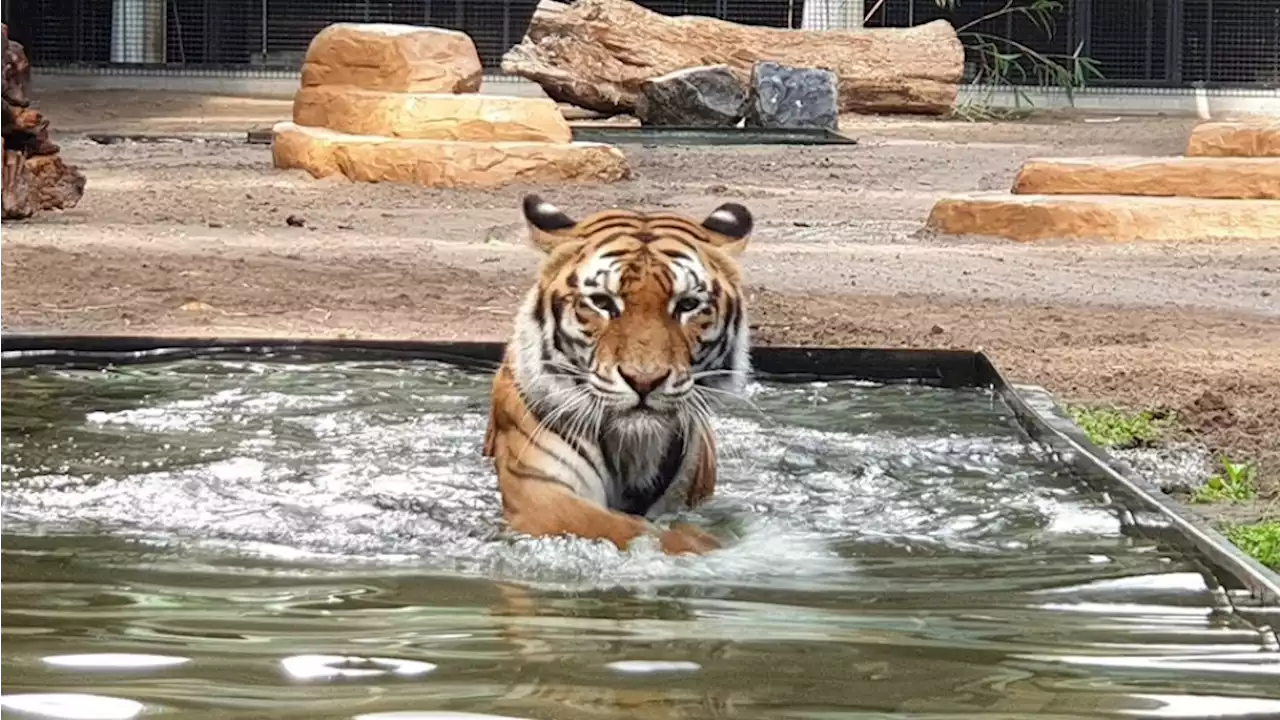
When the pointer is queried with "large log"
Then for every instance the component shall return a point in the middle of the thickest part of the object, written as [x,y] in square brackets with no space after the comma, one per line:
[35,177]
[596,54]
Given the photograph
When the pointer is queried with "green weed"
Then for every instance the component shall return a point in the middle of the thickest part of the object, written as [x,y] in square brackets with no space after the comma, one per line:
[1106,427]
[1261,540]
[1235,483]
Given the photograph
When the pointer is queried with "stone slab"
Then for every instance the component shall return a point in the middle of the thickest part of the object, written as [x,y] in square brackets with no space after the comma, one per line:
[1200,177]
[437,163]
[792,97]
[1115,218]
[393,58]
[1242,138]
[709,96]
[430,116]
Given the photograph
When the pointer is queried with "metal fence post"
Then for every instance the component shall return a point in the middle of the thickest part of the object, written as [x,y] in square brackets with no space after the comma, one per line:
[1173,47]
[1084,26]
[1148,45]
[506,24]
[1208,42]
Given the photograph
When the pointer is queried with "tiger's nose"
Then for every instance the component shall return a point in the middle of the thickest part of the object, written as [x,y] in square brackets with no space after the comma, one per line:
[643,382]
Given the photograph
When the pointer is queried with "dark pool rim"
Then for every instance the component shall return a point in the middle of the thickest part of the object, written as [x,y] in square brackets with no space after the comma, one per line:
[1246,583]
[713,136]
[582,132]
[609,134]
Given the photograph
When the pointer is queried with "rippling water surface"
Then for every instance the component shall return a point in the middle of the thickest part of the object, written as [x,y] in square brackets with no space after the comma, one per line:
[274,538]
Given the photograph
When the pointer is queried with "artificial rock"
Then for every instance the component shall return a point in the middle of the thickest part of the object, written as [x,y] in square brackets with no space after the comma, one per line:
[392,58]
[711,96]
[436,163]
[1242,138]
[791,97]
[1115,218]
[1201,177]
[430,116]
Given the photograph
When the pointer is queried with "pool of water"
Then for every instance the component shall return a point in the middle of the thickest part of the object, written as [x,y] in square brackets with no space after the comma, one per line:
[288,538]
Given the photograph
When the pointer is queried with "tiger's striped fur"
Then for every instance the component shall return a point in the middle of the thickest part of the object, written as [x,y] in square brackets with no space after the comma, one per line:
[599,416]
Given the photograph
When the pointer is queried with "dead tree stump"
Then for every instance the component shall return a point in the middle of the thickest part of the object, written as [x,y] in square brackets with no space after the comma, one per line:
[35,177]
[597,54]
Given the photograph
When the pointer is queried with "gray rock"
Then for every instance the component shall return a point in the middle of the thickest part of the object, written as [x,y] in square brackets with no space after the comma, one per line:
[708,96]
[791,97]
[1174,468]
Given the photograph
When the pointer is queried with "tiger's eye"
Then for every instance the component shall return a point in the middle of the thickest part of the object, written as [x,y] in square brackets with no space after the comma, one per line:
[687,304]
[604,302]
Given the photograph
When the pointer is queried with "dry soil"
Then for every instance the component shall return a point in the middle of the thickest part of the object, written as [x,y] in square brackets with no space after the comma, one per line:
[207,238]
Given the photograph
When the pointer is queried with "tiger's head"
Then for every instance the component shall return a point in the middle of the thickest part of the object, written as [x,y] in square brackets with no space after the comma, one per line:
[634,315]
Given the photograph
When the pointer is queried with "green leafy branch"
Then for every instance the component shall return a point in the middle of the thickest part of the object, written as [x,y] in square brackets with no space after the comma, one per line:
[1005,62]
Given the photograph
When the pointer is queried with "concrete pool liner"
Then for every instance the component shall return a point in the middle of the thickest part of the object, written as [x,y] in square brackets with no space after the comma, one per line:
[1249,588]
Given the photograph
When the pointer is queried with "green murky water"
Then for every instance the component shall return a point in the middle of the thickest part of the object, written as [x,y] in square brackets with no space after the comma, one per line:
[276,539]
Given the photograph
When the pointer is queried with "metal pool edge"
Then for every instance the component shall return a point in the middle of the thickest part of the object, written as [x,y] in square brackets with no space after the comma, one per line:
[588,132]
[711,136]
[1047,423]
[1034,408]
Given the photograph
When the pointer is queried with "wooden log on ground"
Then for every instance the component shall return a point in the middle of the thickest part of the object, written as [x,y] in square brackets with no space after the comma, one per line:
[19,201]
[597,53]
[35,176]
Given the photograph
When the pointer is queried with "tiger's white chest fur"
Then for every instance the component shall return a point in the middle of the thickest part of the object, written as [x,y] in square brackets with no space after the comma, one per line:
[639,465]
[649,463]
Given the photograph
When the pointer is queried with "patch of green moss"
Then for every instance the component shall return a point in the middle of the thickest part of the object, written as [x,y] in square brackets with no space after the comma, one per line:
[1108,427]
[1261,540]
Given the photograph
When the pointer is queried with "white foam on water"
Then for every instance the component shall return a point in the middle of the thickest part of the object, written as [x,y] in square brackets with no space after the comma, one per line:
[767,550]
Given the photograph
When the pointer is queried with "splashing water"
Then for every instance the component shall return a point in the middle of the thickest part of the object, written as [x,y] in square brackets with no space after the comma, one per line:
[255,529]
[382,462]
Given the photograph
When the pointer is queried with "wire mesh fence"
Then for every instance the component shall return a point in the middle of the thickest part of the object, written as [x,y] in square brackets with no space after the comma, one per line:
[1160,43]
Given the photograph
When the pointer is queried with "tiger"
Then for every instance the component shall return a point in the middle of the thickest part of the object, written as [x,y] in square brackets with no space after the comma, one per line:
[599,415]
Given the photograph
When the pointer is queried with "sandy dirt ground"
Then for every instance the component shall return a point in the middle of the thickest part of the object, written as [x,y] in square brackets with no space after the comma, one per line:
[189,237]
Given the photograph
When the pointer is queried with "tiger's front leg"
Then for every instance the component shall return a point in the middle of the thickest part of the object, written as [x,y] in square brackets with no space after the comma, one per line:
[534,502]
[543,507]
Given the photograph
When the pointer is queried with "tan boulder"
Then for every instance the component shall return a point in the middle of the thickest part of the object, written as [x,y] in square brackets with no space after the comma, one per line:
[1117,218]
[430,116]
[392,58]
[1202,177]
[1245,138]
[438,163]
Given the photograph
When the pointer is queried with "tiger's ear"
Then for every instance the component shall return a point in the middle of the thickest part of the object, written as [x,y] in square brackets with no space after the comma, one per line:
[549,226]
[730,225]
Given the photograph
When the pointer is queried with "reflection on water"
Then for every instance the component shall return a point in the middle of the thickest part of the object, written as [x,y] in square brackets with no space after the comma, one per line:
[271,539]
